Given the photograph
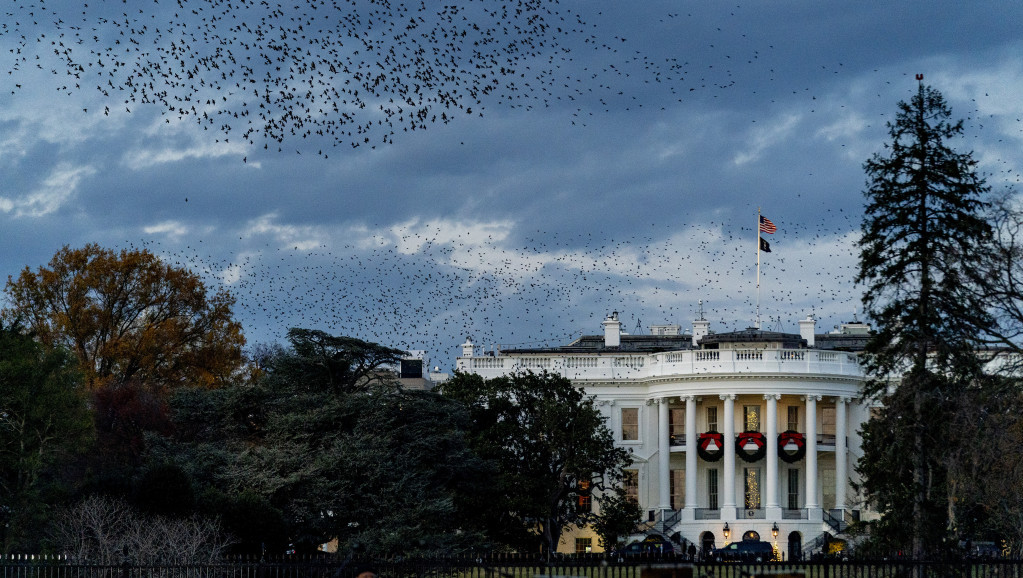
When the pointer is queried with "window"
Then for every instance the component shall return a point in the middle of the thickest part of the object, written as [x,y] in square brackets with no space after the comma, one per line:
[827,433]
[632,485]
[630,423]
[793,421]
[584,502]
[712,489]
[712,419]
[828,488]
[583,545]
[678,489]
[793,489]
[752,490]
[677,425]
[828,421]
[676,420]
[751,417]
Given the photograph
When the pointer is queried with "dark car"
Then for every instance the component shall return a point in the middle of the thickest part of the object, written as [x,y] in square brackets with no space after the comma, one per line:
[744,551]
[650,547]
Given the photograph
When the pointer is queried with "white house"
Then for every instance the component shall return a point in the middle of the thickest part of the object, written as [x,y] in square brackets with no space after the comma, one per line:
[733,435]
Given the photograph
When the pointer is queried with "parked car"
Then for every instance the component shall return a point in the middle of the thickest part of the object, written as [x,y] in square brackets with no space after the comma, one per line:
[744,551]
[653,546]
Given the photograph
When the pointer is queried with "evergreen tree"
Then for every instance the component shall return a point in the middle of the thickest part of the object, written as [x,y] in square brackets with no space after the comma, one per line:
[925,241]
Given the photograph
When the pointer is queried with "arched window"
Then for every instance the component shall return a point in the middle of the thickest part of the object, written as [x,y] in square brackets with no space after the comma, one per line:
[795,549]
[706,543]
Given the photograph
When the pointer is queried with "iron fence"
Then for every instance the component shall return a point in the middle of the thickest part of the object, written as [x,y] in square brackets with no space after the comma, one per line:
[583,566]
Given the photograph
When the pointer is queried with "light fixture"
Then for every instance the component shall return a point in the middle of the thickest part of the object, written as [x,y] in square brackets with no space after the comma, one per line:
[726,531]
[774,530]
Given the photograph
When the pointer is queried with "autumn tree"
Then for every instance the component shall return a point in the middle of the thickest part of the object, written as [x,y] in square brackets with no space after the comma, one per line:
[551,446]
[925,243]
[130,317]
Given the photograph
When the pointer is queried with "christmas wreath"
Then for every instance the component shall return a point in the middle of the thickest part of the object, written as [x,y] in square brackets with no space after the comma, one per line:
[747,438]
[711,446]
[790,438]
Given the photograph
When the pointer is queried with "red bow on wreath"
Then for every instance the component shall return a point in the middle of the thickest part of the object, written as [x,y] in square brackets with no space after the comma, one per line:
[751,446]
[711,446]
[791,446]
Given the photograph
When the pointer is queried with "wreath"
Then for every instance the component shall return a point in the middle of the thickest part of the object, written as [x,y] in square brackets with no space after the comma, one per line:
[751,437]
[791,437]
[711,455]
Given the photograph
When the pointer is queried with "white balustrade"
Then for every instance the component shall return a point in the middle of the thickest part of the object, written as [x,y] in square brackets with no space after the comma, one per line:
[667,364]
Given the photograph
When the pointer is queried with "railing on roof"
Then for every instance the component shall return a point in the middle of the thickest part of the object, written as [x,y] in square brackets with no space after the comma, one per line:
[666,364]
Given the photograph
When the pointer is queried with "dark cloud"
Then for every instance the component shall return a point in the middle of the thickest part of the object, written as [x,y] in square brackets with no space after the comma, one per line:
[626,176]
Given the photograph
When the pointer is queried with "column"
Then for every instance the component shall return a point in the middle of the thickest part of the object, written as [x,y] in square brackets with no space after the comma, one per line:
[841,452]
[691,456]
[771,480]
[663,456]
[811,456]
[728,483]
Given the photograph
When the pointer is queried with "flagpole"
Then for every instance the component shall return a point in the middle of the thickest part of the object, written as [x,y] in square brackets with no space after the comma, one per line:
[757,230]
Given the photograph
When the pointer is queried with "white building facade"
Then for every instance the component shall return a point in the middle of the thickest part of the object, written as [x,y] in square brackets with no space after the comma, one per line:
[742,435]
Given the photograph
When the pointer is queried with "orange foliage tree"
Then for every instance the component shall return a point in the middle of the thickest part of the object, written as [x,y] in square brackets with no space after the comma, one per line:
[130,318]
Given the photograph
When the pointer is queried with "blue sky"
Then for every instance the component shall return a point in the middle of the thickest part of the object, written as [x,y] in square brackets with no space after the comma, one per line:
[624,173]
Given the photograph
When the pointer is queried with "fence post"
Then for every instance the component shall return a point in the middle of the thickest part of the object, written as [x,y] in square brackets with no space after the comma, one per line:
[125,568]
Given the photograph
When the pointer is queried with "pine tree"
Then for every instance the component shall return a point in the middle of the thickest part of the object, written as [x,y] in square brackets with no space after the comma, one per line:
[924,242]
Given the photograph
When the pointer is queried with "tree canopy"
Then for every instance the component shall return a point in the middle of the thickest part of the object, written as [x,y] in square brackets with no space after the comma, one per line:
[552,447]
[336,455]
[129,316]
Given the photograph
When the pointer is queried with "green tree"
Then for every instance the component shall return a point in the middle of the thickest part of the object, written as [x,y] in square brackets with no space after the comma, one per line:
[341,453]
[924,245]
[619,517]
[323,361]
[130,317]
[43,420]
[552,446]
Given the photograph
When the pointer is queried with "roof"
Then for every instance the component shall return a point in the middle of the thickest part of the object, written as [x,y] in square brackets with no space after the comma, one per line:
[754,335]
[628,343]
[658,343]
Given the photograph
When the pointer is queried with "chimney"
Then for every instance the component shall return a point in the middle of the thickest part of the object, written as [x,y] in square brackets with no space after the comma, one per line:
[806,329]
[467,348]
[701,327]
[612,330]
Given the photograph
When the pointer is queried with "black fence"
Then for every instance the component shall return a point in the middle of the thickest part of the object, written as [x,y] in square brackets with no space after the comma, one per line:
[509,567]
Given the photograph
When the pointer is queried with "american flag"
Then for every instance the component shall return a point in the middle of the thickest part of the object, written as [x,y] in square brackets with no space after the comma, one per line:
[766,226]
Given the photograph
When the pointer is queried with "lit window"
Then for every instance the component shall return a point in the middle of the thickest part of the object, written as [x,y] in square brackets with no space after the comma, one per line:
[583,545]
[751,414]
[585,500]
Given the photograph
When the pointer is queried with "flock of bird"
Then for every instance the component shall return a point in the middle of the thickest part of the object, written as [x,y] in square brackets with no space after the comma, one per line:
[547,291]
[337,72]
[317,74]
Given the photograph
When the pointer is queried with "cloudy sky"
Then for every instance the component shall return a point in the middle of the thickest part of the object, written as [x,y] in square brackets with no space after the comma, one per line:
[619,166]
